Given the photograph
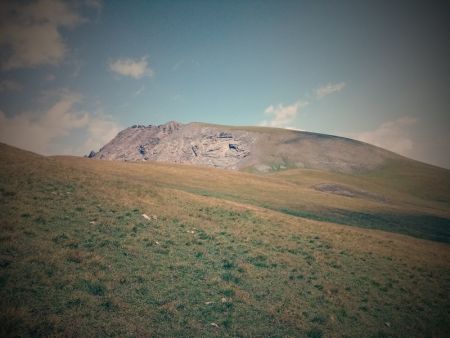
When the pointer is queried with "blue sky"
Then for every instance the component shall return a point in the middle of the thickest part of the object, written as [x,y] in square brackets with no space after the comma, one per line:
[75,73]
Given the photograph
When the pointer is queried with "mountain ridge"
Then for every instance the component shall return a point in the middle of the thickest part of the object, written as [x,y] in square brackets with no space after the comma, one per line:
[260,149]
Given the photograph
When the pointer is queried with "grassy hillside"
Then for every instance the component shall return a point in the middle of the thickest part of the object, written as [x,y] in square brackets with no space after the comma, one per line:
[222,254]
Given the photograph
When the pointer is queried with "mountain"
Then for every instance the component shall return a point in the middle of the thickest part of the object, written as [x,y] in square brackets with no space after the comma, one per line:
[244,148]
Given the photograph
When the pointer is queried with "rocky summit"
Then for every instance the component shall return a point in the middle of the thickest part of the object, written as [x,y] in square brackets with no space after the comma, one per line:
[251,148]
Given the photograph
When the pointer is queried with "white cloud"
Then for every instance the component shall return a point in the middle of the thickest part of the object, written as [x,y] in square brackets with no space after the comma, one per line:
[31,32]
[396,135]
[43,133]
[135,68]
[96,4]
[10,85]
[100,131]
[283,116]
[328,89]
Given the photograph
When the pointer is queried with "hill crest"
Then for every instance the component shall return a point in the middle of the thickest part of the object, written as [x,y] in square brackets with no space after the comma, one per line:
[242,148]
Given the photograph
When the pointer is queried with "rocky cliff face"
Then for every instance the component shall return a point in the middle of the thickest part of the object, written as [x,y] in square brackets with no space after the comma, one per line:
[261,149]
[177,143]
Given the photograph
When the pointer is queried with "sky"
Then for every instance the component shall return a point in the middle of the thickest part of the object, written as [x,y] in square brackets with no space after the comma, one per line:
[73,74]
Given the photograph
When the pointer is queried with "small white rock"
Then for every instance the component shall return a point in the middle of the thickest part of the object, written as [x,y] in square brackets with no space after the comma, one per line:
[215,325]
[146,217]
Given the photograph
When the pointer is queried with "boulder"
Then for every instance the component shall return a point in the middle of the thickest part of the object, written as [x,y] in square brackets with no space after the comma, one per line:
[225,135]
[141,149]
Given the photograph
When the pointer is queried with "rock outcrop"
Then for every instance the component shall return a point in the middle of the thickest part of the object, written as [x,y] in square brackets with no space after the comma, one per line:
[252,148]
[174,142]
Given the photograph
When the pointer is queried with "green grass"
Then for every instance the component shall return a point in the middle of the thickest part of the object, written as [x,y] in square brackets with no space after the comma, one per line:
[77,258]
[421,226]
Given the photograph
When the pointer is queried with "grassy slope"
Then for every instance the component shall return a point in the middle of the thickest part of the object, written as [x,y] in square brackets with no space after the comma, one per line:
[78,259]
[417,198]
